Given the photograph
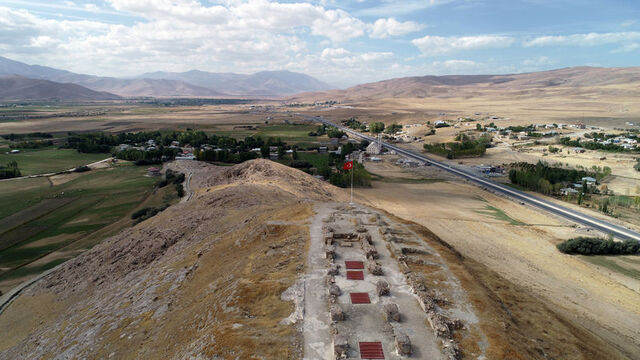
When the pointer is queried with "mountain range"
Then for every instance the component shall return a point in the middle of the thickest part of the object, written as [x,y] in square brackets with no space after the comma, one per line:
[18,88]
[167,84]
[584,80]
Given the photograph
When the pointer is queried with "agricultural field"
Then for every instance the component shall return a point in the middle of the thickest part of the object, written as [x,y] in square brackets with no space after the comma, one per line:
[54,219]
[48,160]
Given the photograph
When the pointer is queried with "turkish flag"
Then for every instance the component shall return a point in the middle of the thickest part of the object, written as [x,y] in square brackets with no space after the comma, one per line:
[348,165]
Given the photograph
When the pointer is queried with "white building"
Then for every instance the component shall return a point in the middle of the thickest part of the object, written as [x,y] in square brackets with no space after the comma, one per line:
[373,149]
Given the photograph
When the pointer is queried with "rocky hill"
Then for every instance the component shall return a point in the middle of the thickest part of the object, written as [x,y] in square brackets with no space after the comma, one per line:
[250,267]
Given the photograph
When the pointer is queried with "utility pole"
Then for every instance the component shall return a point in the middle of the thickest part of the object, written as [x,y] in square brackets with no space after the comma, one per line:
[351,202]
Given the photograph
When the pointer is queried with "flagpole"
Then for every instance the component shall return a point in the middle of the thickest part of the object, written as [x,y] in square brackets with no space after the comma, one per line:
[351,184]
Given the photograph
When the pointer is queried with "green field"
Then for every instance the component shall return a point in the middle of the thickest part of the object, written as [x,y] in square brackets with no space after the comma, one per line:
[44,218]
[499,215]
[41,161]
[611,264]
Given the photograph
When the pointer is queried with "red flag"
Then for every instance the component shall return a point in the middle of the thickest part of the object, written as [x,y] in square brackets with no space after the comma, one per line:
[348,165]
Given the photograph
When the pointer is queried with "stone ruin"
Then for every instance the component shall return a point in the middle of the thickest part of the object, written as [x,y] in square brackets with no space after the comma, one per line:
[334,269]
[336,313]
[403,344]
[391,312]
[374,268]
[442,325]
[382,288]
[334,292]
[330,252]
[340,346]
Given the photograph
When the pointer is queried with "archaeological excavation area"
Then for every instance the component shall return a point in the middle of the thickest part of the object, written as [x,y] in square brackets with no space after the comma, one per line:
[367,301]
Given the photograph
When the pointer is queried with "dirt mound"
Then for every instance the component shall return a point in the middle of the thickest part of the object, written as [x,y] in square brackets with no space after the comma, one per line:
[268,172]
[201,279]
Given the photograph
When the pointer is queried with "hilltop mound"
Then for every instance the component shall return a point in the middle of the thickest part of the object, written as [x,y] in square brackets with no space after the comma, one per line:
[197,280]
[266,172]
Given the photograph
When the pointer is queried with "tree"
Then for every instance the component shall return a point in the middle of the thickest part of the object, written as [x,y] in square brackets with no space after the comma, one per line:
[264,150]
[280,152]
[478,127]
[294,155]
[376,127]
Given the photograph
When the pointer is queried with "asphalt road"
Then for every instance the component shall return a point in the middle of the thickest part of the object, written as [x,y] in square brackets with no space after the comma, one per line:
[517,195]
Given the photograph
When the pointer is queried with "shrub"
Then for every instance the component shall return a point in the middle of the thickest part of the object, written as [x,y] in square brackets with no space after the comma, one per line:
[301,164]
[83,168]
[144,214]
[597,246]
[180,190]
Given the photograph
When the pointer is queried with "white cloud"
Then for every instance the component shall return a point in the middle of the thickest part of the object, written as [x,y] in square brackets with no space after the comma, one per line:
[384,28]
[438,45]
[626,48]
[590,39]
[538,61]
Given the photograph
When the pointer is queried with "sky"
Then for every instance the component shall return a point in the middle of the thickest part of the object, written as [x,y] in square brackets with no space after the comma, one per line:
[340,42]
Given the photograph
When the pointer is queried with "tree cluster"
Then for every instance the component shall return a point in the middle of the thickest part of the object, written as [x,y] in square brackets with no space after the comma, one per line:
[10,170]
[463,147]
[597,246]
[544,178]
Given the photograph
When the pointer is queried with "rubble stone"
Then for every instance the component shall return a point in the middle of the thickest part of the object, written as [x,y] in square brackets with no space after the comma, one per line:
[340,346]
[382,288]
[374,268]
[336,313]
[403,344]
[334,290]
[391,312]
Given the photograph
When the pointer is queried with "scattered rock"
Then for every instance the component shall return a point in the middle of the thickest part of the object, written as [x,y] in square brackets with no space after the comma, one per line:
[336,313]
[374,268]
[403,344]
[340,346]
[334,290]
[334,269]
[382,288]
[391,312]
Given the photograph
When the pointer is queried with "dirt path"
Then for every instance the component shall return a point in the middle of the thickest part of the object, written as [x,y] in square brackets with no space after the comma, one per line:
[317,338]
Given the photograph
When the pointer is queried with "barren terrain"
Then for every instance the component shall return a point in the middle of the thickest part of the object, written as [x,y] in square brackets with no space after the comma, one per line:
[220,276]
[518,243]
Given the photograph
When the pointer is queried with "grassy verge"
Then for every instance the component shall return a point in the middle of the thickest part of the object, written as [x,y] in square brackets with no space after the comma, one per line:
[612,265]
[499,214]
[404,180]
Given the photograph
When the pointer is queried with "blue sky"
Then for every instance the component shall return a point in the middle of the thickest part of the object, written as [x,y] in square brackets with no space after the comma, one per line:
[341,42]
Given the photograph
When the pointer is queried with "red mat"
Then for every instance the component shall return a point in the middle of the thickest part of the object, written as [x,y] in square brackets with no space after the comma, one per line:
[371,350]
[354,265]
[360,298]
[355,275]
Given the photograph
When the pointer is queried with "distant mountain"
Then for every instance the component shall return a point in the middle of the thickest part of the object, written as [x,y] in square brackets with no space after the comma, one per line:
[16,88]
[122,87]
[166,84]
[567,81]
[266,83]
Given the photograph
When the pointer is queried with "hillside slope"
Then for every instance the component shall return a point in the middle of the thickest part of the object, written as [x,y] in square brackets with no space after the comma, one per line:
[13,88]
[201,279]
[568,81]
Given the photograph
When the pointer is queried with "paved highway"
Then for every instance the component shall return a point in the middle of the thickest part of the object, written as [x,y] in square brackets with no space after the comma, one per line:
[570,214]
